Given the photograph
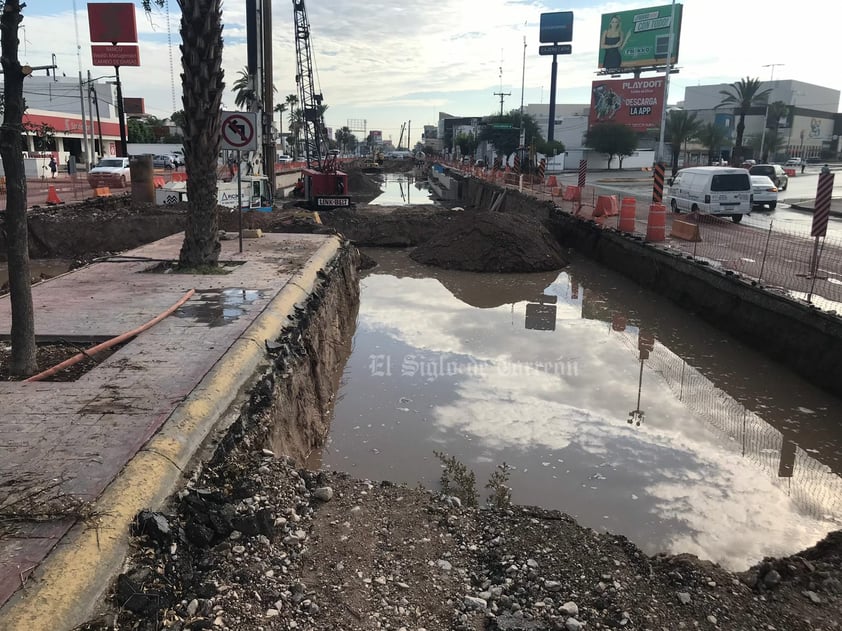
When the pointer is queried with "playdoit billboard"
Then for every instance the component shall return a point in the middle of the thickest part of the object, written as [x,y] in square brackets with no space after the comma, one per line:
[636,103]
[635,39]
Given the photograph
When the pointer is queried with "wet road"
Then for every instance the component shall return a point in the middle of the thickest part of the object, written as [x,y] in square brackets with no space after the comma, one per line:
[735,457]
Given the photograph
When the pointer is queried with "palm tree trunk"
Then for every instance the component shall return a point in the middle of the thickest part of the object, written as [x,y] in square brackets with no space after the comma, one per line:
[737,155]
[201,34]
[23,361]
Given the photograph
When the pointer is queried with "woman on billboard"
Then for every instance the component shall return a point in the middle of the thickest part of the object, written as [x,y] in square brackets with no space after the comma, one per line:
[613,39]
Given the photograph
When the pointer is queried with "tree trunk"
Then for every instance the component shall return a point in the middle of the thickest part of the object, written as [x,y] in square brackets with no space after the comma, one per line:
[23,360]
[201,50]
[737,154]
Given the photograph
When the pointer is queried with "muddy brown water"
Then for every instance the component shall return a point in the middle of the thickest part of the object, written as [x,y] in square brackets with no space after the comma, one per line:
[610,403]
[48,267]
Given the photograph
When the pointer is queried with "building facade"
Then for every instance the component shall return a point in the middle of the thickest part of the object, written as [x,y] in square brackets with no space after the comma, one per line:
[807,129]
[54,123]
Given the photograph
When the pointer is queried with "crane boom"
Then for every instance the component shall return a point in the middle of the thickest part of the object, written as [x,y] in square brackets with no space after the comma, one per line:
[310,102]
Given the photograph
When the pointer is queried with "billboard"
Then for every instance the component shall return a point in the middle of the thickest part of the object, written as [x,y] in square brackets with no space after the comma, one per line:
[556,27]
[112,22]
[636,39]
[635,103]
[134,105]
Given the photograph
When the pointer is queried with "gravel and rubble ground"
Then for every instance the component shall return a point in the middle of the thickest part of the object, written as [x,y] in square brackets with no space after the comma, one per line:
[255,543]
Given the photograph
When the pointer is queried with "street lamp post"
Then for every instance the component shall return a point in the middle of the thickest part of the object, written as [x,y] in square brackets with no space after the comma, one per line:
[766,114]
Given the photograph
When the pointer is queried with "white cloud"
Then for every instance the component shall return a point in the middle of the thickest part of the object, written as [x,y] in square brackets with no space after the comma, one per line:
[392,61]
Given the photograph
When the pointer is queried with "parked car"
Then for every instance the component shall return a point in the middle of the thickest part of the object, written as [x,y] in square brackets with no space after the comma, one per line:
[774,172]
[723,191]
[111,172]
[163,162]
[284,159]
[793,162]
[764,193]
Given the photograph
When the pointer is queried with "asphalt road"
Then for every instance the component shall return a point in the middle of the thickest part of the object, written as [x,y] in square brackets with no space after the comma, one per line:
[783,218]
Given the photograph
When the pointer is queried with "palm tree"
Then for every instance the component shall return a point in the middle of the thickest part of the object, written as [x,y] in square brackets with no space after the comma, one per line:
[292,101]
[280,108]
[682,126]
[774,113]
[345,138]
[742,95]
[713,137]
[202,80]
[243,91]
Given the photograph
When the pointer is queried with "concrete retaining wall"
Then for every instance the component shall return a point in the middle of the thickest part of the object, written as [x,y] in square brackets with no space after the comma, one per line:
[792,332]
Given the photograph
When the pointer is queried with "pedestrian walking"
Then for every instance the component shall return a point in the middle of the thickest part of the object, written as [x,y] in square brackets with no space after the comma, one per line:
[53,166]
[803,165]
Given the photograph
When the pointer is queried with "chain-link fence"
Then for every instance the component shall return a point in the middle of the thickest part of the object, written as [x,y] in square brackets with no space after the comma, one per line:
[811,484]
[779,260]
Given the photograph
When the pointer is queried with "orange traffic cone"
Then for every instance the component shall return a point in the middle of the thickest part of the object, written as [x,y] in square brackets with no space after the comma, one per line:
[52,196]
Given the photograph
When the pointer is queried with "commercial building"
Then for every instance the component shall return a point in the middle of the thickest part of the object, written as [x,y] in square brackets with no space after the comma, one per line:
[53,118]
[809,128]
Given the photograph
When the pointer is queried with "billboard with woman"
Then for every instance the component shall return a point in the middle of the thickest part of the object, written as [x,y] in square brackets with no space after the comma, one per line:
[639,39]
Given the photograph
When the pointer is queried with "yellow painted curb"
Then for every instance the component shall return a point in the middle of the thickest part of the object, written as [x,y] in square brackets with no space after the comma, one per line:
[66,587]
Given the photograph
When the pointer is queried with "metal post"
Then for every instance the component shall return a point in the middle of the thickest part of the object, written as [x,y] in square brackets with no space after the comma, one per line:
[765,252]
[660,155]
[240,198]
[522,128]
[91,116]
[554,72]
[124,150]
[84,125]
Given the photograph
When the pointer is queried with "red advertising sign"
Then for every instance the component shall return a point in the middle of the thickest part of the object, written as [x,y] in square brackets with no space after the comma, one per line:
[636,103]
[112,22]
[115,55]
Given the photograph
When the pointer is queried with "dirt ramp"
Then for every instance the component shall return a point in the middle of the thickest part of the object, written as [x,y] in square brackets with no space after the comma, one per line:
[492,242]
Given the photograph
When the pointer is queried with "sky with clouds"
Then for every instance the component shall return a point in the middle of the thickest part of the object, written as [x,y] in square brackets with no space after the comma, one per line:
[393,61]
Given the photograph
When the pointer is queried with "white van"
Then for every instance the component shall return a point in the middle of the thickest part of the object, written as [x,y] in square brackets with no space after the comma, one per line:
[714,190]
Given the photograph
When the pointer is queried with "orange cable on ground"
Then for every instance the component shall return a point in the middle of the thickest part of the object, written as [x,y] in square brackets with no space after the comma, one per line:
[93,350]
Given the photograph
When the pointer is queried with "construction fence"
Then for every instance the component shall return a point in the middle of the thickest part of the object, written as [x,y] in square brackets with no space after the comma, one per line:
[781,261]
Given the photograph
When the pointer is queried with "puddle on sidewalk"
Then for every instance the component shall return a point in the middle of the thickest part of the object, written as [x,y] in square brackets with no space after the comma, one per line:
[218,307]
[611,404]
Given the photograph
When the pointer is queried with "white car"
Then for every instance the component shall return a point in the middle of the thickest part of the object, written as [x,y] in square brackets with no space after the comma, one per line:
[110,172]
[284,159]
[793,162]
[764,193]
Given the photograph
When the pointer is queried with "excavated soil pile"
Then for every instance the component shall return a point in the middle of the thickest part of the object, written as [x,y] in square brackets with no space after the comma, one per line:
[492,242]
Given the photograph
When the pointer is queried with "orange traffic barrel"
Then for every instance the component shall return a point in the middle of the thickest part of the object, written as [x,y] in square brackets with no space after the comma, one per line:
[606,205]
[627,212]
[552,182]
[657,223]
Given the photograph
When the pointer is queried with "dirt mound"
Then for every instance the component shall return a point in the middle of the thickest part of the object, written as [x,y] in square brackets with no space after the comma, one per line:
[492,242]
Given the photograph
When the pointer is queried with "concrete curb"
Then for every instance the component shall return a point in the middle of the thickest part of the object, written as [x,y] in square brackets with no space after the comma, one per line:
[67,586]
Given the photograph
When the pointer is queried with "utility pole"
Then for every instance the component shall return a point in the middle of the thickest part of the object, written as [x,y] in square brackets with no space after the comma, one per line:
[660,156]
[501,94]
[269,153]
[522,126]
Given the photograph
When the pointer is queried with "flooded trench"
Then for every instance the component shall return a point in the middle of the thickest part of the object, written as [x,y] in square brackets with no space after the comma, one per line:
[403,189]
[611,404]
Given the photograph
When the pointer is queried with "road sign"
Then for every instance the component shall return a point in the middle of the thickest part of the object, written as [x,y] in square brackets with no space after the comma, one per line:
[119,55]
[239,131]
[555,49]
